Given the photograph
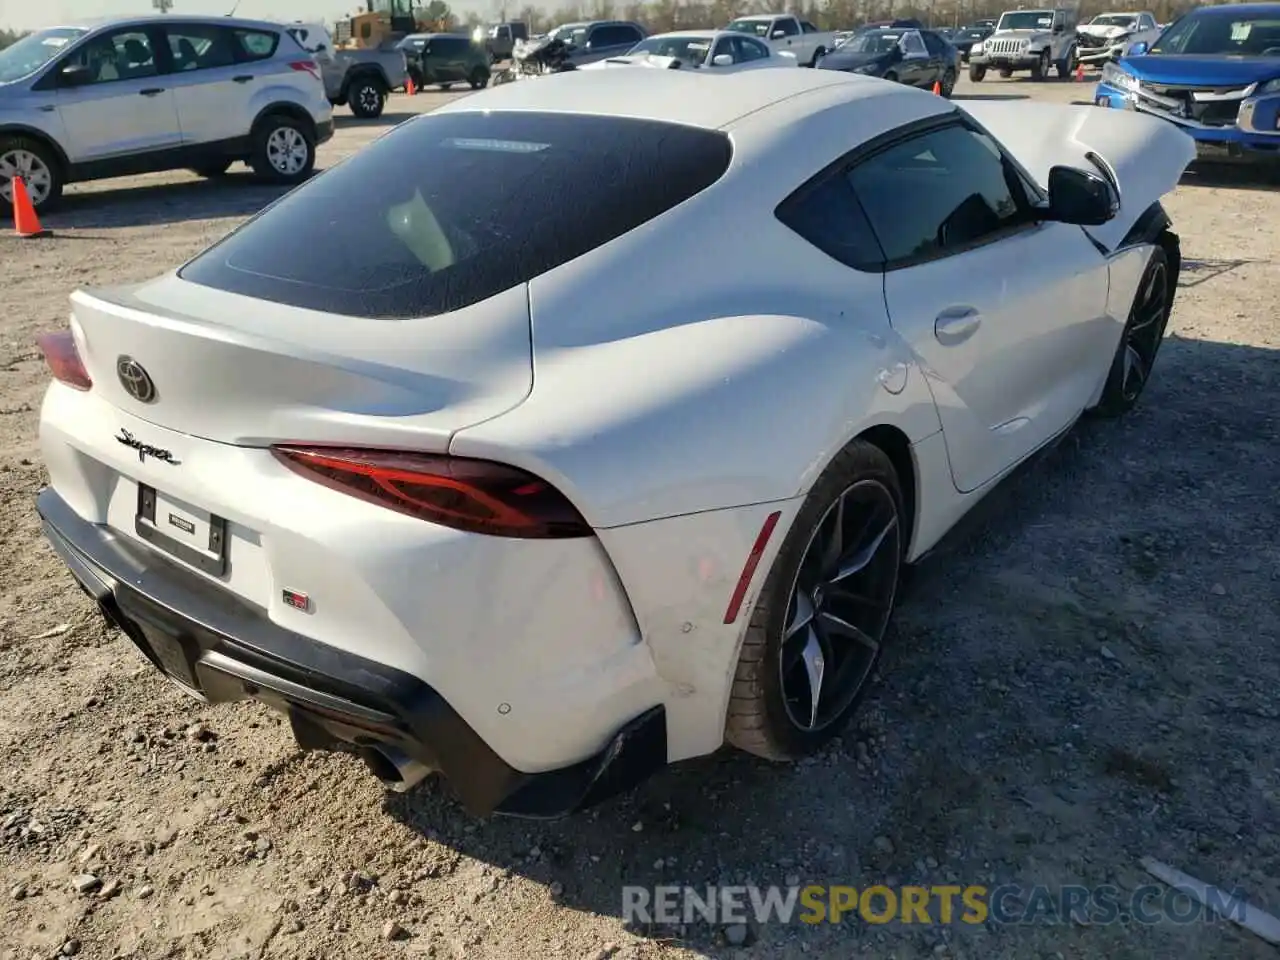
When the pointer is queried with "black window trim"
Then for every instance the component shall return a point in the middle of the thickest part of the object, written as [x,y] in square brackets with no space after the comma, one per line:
[1033,197]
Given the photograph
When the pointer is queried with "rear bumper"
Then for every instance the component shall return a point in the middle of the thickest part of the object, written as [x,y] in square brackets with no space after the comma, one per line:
[220,648]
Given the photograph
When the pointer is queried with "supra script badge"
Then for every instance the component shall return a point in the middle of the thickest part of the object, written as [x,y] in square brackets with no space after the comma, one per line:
[145,449]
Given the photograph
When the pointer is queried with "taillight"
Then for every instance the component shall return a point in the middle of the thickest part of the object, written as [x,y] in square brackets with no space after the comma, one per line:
[477,496]
[63,358]
[309,66]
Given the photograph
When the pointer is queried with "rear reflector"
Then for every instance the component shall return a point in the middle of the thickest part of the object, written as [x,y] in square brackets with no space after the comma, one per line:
[477,496]
[749,568]
[309,66]
[63,359]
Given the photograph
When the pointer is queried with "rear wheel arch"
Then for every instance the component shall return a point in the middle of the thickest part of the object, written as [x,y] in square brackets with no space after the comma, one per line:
[363,73]
[896,445]
[287,109]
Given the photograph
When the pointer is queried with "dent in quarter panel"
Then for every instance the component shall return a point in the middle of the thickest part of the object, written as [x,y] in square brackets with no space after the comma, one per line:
[679,575]
[721,413]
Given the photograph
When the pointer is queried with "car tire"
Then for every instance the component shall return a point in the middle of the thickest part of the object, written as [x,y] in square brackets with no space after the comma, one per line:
[1144,330]
[367,98]
[445,87]
[1040,69]
[818,55]
[977,73]
[802,624]
[891,77]
[213,169]
[1005,73]
[43,178]
[948,84]
[284,149]
[1067,65]
[479,79]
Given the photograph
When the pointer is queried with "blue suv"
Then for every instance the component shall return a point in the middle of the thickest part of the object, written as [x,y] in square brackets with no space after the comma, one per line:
[1215,72]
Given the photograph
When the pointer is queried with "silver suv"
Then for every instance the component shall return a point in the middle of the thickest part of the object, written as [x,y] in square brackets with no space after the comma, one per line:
[143,94]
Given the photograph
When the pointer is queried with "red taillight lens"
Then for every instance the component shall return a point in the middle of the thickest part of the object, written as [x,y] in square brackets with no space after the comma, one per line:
[473,495]
[64,361]
[306,65]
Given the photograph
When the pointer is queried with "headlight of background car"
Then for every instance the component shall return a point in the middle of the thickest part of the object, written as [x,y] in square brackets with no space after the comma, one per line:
[1271,86]
[976,48]
[1116,77]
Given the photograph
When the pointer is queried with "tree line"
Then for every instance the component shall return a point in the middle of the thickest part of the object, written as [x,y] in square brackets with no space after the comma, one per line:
[663,15]
[10,36]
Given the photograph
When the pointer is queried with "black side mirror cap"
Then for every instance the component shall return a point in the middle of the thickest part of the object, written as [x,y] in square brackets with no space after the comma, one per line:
[1081,197]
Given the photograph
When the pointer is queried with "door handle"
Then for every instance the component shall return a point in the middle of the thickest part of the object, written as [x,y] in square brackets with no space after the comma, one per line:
[956,325]
[243,79]
[46,108]
[151,92]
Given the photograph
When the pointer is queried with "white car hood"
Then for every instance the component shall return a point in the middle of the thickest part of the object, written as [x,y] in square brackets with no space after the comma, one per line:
[1106,32]
[1018,35]
[640,60]
[1148,155]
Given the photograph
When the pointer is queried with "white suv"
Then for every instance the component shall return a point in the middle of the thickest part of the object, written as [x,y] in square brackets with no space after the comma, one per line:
[143,94]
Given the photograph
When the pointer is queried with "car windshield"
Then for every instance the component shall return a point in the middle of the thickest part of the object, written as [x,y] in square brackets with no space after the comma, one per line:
[971,34]
[33,51]
[1113,20]
[409,243]
[685,49]
[757,28]
[1222,33]
[566,32]
[873,41]
[1026,20]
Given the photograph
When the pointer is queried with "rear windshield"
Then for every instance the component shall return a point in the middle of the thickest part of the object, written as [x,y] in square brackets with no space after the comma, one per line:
[450,209]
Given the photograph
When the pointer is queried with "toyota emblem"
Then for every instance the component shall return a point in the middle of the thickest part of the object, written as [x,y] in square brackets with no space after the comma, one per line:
[135,380]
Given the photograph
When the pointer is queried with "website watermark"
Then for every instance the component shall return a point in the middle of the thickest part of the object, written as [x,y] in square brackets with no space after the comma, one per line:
[938,904]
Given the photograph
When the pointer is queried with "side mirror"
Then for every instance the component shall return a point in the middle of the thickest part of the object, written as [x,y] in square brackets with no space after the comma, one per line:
[897,54]
[778,34]
[1058,28]
[1138,49]
[1080,197]
[722,60]
[74,75]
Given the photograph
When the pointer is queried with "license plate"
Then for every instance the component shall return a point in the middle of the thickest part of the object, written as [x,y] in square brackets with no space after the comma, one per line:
[195,536]
[1215,150]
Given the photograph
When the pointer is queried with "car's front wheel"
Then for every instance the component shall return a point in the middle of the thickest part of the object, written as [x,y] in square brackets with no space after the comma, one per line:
[1140,342]
[817,631]
[948,84]
[284,151]
[1040,69]
[37,166]
[977,72]
[891,77]
[479,78]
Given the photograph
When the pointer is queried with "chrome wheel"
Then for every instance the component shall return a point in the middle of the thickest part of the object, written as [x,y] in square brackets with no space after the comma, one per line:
[839,605]
[1144,331]
[35,173]
[287,151]
[369,99]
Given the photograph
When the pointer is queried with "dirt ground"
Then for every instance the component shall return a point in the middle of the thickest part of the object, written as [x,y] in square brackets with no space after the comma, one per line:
[1091,678]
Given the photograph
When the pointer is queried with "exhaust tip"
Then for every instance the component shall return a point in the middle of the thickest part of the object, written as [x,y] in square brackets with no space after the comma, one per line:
[397,770]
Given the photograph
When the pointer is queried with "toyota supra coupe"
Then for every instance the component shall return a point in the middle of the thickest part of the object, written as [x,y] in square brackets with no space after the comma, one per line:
[416,484]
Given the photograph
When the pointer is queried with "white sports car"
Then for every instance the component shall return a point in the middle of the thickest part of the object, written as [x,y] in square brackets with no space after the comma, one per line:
[601,432]
[725,51]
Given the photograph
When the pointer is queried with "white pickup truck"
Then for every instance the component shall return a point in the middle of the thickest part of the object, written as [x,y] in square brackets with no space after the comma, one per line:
[788,34]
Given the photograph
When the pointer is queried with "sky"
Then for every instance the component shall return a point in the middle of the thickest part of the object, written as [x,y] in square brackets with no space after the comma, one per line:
[29,14]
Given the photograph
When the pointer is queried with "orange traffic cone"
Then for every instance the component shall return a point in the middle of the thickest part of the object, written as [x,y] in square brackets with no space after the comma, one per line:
[409,88]
[937,87]
[1079,73]
[25,222]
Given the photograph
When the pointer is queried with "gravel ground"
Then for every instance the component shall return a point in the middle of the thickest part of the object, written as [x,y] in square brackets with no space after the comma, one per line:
[1088,679]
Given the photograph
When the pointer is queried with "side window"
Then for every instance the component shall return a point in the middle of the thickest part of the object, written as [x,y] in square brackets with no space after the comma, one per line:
[807,27]
[1146,22]
[255,45]
[913,46]
[938,193]
[366,31]
[937,47]
[196,46]
[787,25]
[748,49]
[124,55]
[828,215]
[726,45]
